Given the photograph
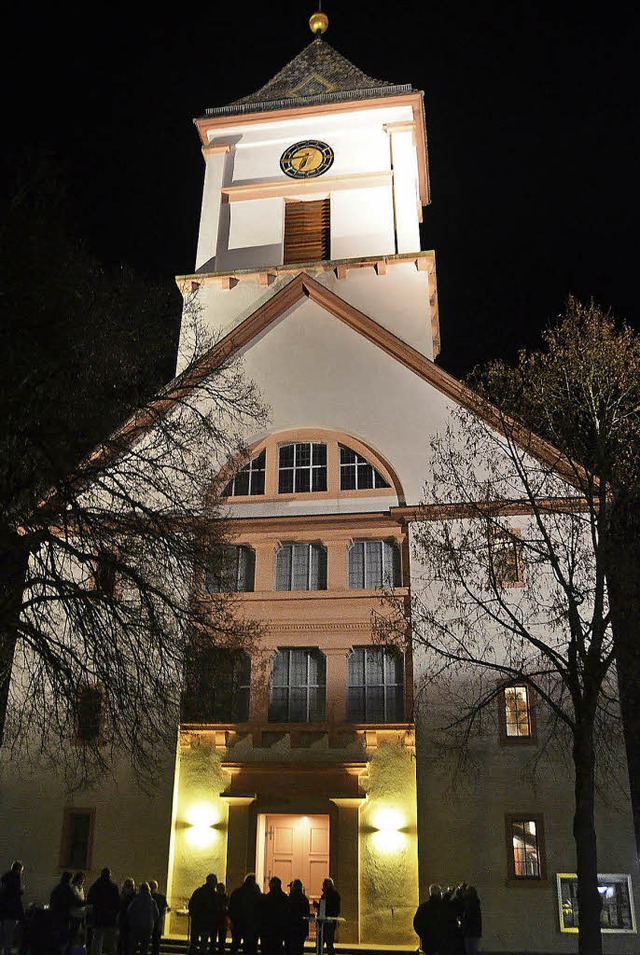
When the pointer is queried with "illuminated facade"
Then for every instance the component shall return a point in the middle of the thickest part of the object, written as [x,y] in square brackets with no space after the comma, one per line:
[300,756]
[309,260]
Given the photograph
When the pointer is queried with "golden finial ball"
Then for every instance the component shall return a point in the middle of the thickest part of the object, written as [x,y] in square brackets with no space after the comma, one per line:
[318,22]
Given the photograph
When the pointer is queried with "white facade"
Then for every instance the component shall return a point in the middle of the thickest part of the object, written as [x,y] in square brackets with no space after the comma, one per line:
[341,349]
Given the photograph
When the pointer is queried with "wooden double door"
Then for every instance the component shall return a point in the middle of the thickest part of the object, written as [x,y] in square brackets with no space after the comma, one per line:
[297,847]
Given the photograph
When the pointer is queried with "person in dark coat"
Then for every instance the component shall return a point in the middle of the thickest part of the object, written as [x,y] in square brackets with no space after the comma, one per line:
[275,918]
[11,910]
[204,905]
[430,923]
[331,898]
[141,917]
[163,908]
[471,925]
[127,895]
[61,901]
[222,920]
[78,910]
[244,912]
[454,901]
[298,924]
[104,900]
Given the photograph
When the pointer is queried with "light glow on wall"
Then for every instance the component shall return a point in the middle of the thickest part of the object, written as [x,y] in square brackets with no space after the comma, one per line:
[388,835]
[201,819]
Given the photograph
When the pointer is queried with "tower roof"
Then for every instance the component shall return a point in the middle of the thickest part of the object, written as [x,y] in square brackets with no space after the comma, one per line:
[318,74]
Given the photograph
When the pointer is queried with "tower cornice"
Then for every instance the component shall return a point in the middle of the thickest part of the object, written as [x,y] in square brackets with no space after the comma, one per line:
[211,127]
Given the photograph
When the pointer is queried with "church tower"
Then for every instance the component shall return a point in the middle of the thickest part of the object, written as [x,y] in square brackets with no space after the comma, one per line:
[323,169]
[309,267]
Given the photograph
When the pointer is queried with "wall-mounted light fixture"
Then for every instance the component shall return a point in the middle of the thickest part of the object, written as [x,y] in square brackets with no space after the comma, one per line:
[388,830]
[202,821]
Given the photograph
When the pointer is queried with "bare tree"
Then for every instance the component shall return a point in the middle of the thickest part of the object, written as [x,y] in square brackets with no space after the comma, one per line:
[101,560]
[115,554]
[514,545]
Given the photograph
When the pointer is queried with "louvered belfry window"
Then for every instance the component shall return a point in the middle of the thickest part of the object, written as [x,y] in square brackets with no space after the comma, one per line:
[306,231]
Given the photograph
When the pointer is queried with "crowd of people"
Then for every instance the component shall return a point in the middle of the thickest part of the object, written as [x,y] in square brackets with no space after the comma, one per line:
[127,920]
[450,921]
[275,920]
[105,919]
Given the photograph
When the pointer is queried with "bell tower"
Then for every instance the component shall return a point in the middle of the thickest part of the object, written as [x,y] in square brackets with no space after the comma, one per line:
[323,169]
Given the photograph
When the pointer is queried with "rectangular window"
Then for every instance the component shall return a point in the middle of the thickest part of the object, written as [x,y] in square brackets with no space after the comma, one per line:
[617,914]
[235,572]
[302,467]
[89,714]
[104,575]
[217,686]
[373,564]
[517,723]
[307,231]
[375,685]
[301,567]
[525,848]
[298,684]
[77,838]
[505,554]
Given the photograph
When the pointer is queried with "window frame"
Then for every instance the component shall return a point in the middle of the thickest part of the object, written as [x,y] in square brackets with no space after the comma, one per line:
[333,440]
[316,652]
[308,546]
[98,739]
[363,718]
[64,860]
[388,545]
[313,471]
[501,536]
[105,579]
[358,464]
[238,571]
[505,738]
[613,878]
[236,656]
[253,471]
[538,820]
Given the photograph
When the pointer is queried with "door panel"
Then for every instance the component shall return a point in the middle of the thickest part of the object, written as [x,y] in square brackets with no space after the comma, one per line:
[297,847]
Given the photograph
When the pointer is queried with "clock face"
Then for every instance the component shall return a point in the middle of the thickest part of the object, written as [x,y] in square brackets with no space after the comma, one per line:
[307,159]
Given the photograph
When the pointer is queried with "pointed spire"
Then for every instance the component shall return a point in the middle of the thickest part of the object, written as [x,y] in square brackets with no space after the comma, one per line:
[317,74]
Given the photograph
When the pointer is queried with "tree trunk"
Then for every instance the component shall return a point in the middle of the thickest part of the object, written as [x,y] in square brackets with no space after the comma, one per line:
[623,582]
[584,832]
[13,565]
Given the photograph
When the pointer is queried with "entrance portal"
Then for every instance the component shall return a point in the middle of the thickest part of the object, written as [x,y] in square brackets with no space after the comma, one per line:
[293,847]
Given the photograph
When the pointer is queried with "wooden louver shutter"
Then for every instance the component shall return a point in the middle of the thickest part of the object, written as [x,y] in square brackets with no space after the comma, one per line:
[306,231]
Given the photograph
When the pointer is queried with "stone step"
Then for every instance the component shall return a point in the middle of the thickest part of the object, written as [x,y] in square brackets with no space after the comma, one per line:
[180,946]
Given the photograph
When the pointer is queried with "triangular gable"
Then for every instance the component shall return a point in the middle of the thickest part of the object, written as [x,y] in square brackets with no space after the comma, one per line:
[304,286]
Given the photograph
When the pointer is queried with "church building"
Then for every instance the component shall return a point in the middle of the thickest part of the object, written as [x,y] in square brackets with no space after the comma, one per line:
[307,756]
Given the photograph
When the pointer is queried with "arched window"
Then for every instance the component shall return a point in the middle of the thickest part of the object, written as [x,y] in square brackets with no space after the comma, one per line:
[373,564]
[314,461]
[301,566]
[375,685]
[235,573]
[249,479]
[217,686]
[298,686]
[356,474]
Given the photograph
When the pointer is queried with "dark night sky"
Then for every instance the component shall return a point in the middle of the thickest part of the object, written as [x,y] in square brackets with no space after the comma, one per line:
[532,120]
